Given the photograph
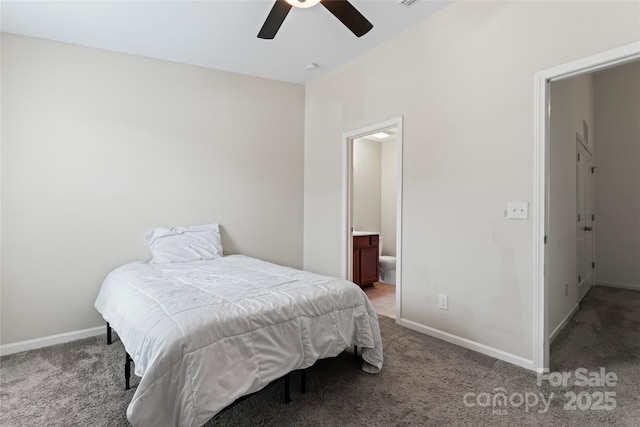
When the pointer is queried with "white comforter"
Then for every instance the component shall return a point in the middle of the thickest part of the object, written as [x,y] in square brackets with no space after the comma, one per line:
[204,333]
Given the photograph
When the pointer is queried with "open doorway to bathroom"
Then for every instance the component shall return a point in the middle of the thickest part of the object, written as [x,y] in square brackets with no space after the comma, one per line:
[374,212]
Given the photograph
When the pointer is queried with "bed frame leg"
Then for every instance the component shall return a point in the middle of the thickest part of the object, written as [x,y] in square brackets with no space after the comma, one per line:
[303,381]
[287,393]
[109,341]
[127,371]
[355,351]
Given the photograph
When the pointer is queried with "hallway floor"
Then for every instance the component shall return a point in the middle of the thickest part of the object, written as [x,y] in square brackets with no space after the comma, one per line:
[604,336]
[605,331]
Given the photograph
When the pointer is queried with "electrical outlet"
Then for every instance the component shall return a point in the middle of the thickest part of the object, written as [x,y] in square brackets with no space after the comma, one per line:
[443,302]
[566,289]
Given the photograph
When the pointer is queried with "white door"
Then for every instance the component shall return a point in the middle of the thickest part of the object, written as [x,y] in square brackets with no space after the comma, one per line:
[586,262]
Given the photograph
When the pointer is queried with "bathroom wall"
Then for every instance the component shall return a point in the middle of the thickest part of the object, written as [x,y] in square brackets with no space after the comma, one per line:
[366,185]
[388,200]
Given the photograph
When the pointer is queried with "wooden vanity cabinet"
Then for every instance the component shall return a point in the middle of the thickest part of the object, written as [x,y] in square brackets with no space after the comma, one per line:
[365,259]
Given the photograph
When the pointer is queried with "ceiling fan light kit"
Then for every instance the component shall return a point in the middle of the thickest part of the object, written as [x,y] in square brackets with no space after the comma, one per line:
[303,3]
[341,9]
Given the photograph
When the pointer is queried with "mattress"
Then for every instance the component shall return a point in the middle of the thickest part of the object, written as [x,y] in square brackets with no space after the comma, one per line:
[204,333]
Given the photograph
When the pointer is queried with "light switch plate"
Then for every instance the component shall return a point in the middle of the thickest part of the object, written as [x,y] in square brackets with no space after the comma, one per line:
[518,210]
[443,302]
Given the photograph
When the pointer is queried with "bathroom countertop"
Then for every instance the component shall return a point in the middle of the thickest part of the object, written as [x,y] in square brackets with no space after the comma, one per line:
[365,233]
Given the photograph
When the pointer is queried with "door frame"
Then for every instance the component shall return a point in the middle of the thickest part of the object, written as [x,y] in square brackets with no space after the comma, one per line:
[347,197]
[542,80]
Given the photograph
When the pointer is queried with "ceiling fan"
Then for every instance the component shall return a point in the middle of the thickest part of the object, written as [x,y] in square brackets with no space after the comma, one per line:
[341,9]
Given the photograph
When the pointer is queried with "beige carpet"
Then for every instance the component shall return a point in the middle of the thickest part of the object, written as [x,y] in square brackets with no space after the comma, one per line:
[423,383]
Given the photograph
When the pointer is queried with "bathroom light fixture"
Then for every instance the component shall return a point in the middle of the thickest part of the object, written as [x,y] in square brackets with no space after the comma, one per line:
[381,135]
[303,3]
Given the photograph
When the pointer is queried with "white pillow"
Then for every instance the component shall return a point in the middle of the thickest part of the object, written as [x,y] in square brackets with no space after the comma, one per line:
[184,244]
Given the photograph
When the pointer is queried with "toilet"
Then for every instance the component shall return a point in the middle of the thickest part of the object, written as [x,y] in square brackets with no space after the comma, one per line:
[386,267]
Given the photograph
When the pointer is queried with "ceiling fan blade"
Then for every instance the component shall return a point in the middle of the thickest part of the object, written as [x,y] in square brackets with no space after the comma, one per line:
[349,16]
[274,20]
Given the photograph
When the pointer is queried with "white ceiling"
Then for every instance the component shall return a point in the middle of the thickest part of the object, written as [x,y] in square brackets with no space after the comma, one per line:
[219,34]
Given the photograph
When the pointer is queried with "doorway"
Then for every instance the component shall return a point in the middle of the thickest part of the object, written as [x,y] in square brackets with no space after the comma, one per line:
[542,185]
[373,213]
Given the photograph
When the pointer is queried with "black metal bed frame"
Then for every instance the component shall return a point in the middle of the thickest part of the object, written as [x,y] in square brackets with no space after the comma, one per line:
[287,377]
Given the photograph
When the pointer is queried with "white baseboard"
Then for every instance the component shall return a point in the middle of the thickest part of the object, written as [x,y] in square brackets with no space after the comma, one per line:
[466,343]
[50,340]
[564,322]
[619,285]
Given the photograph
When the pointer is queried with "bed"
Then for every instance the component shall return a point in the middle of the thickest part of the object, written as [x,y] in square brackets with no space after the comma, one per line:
[205,329]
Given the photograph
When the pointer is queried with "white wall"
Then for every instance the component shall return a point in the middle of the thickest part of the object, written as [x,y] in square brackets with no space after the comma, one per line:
[571,102]
[388,194]
[617,186]
[99,147]
[463,80]
[366,185]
